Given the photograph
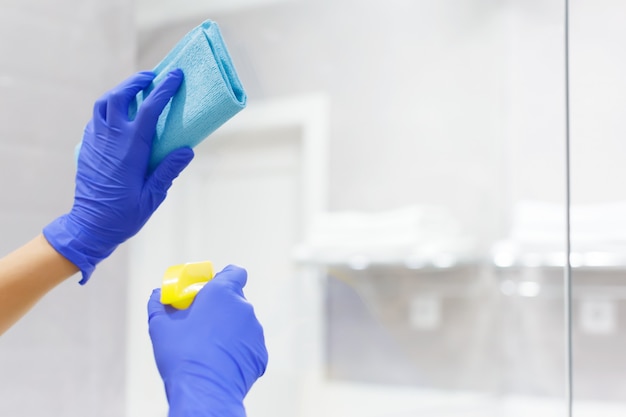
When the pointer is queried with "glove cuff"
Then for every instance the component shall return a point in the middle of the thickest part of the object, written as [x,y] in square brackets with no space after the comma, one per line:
[73,243]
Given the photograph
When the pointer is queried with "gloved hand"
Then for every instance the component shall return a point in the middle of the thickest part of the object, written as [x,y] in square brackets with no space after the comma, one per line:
[210,354]
[114,195]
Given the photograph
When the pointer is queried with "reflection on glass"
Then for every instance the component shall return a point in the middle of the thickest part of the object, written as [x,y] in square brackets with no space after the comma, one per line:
[404,233]
[598,208]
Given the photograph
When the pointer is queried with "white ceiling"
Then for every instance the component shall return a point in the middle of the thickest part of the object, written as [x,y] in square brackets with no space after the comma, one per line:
[153,13]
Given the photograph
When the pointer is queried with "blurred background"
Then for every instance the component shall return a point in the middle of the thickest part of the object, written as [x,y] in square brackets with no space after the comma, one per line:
[396,189]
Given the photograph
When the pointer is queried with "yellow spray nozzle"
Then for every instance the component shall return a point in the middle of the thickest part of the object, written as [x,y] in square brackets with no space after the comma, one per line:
[182,282]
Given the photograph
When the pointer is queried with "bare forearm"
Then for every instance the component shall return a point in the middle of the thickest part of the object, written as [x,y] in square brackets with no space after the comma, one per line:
[26,275]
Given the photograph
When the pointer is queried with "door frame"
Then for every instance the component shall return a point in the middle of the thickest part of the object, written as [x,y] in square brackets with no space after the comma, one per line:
[310,114]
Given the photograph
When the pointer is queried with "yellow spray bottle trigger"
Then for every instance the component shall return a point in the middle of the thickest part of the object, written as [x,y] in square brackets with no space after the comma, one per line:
[182,282]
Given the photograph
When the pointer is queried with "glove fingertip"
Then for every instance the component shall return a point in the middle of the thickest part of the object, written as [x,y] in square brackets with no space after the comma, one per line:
[177,72]
[156,294]
[154,303]
[235,275]
[158,97]
[183,155]
[173,165]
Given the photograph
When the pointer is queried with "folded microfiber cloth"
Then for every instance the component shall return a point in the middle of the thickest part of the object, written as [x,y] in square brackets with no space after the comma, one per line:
[209,96]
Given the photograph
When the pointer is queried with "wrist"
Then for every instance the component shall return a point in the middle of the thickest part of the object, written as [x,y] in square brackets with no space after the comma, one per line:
[77,246]
[57,264]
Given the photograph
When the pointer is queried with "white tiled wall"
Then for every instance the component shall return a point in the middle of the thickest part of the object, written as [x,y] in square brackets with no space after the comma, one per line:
[65,358]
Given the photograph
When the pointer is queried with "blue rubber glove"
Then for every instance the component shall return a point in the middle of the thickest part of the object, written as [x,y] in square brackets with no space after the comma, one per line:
[210,354]
[114,196]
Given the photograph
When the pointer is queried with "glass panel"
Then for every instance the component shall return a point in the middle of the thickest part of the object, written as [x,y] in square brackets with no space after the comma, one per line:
[598,62]
[417,193]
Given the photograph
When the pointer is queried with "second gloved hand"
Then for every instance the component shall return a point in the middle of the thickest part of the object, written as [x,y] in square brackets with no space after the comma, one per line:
[115,195]
[210,354]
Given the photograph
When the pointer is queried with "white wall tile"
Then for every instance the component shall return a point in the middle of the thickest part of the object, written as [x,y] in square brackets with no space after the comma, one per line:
[66,357]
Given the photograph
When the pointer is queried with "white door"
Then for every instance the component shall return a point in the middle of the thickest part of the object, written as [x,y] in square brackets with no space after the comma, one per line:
[237,203]
[242,208]
[245,199]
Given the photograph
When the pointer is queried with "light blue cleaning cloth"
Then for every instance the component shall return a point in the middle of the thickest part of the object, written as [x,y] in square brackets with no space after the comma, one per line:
[209,96]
